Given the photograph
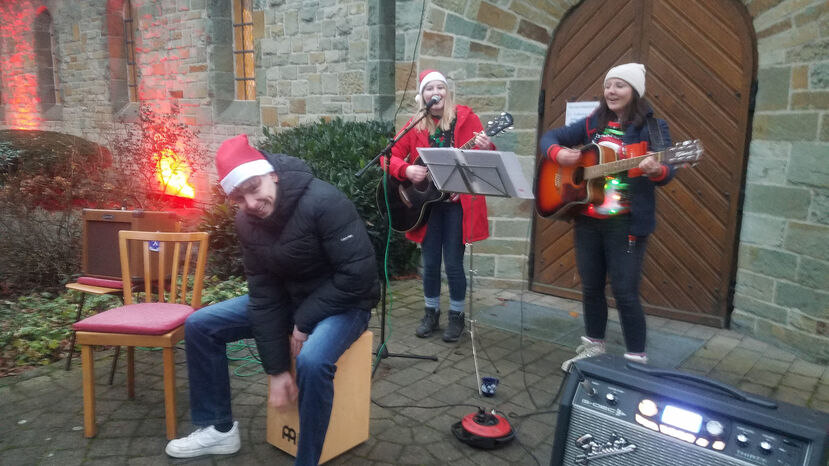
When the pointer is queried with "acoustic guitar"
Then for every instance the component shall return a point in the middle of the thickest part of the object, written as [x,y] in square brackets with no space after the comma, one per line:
[409,203]
[561,192]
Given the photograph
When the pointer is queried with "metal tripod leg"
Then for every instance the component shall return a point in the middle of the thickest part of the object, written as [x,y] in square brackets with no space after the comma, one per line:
[472,320]
[381,351]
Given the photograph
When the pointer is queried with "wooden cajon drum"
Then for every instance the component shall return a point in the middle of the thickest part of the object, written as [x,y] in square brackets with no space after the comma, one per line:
[349,414]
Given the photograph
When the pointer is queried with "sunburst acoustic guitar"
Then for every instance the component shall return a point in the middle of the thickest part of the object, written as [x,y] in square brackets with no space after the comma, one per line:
[561,192]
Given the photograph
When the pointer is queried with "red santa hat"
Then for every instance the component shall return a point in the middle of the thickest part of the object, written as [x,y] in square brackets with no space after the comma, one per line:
[237,160]
[427,76]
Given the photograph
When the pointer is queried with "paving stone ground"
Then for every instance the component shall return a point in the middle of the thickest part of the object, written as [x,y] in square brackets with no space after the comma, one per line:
[415,402]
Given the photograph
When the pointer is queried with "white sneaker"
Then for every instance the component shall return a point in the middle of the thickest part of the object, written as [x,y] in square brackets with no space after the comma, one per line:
[205,441]
[640,358]
[587,349]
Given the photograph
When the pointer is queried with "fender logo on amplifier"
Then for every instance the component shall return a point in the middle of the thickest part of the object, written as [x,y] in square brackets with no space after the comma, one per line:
[615,445]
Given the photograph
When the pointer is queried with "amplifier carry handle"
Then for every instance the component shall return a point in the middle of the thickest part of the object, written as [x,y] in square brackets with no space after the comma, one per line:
[742,396]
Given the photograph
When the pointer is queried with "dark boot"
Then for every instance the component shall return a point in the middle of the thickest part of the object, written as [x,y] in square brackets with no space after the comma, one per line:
[429,323]
[455,328]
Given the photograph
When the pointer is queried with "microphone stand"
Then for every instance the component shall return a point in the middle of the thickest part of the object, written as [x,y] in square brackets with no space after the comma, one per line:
[382,350]
[387,150]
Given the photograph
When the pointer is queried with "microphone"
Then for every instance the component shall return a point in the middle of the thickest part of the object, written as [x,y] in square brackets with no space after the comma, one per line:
[435,99]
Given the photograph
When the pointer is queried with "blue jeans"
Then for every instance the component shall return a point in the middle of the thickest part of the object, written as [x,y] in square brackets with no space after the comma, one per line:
[603,249]
[444,236]
[208,330]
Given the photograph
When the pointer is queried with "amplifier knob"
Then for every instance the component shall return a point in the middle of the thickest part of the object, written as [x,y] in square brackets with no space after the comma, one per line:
[714,428]
[765,447]
[648,408]
[611,399]
[742,440]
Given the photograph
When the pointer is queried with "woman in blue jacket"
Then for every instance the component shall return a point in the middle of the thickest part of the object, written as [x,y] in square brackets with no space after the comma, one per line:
[610,238]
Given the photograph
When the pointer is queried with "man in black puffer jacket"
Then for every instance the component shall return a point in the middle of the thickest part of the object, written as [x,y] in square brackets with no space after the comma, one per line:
[312,281]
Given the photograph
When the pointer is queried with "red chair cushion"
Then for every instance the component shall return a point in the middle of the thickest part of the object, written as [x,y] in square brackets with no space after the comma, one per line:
[104,282]
[142,319]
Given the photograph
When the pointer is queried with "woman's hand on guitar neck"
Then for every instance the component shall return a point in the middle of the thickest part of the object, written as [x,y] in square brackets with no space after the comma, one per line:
[650,167]
[566,156]
[482,141]
[416,173]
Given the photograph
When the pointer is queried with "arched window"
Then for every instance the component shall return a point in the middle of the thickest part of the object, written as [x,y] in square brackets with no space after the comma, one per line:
[243,49]
[2,101]
[48,89]
[3,62]
[123,69]
[231,67]
[129,52]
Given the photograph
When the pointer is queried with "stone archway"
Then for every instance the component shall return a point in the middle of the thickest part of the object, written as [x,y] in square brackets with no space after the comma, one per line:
[701,60]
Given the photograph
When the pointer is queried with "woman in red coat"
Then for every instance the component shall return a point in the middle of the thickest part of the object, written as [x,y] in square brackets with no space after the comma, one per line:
[452,224]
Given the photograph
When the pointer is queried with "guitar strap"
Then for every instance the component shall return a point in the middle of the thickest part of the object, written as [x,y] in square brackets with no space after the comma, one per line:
[657,141]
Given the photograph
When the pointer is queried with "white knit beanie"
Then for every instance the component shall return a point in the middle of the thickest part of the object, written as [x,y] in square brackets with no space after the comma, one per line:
[631,73]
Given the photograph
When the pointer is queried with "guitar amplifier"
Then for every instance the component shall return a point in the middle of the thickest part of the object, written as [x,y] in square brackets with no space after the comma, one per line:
[618,413]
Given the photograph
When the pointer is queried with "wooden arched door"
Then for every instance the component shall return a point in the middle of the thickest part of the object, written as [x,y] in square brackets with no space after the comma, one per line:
[701,62]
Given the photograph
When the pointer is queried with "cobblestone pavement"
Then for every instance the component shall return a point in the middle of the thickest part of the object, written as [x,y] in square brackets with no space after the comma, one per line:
[42,414]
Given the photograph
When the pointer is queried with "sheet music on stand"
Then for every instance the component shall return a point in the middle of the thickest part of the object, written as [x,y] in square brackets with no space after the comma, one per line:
[485,172]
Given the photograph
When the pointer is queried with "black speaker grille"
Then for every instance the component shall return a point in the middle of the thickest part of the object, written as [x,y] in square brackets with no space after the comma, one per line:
[652,448]
[102,248]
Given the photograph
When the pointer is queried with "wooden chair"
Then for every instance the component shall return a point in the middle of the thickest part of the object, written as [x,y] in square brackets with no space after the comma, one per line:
[156,322]
[97,261]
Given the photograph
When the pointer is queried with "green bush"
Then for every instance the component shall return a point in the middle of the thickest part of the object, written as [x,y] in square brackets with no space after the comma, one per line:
[35,329]
[154,156]
[217,290]
[45,177]
[224,259]
[52,170]
[335,151]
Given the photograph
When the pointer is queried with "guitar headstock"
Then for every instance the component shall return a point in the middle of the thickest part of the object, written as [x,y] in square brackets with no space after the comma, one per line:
[502,123]
[684,152]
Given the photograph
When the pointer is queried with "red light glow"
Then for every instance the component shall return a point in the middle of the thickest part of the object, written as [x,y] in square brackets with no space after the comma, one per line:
[17,65]
[174,174]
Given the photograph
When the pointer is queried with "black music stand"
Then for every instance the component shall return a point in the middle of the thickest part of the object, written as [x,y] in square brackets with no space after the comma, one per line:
[477,172]
[484,172]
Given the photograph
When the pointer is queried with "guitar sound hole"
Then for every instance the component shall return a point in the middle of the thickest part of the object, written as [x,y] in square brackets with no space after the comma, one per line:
[578,175]
[422,186]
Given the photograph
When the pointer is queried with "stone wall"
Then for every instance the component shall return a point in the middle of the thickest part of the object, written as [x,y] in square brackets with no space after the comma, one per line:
[314,59]
[783,270]
[492,54]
